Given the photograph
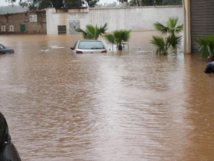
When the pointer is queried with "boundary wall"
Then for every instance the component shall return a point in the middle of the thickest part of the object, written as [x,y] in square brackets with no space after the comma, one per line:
[136,19]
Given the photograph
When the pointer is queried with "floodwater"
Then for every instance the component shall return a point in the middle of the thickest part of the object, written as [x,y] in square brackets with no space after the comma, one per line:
[130,106]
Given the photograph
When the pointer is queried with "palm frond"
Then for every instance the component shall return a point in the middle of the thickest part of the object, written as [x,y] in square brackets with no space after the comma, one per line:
[171,38]
[103,29]
[82,31]
[158,26]
[174,41]
[125,34]
[206,45]
[161,45]
[172,22]
[121,35]
[110,38]
[179,28]
[93,32]
[118,36]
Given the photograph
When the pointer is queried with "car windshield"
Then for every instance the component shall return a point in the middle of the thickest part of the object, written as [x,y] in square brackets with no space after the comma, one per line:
[91,45]
[2,46]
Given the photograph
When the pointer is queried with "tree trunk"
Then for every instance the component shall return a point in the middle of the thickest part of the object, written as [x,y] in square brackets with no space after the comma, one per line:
[57,4]
[120,47]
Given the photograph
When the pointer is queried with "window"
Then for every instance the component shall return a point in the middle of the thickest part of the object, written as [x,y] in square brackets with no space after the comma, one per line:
[11,28]
[61,29]
[3,28]
[33,18]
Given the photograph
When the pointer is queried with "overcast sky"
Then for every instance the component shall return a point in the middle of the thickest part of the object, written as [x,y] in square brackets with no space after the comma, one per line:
[3,3]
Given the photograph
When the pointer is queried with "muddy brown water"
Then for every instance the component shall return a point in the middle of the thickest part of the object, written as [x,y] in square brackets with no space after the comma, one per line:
[131,106]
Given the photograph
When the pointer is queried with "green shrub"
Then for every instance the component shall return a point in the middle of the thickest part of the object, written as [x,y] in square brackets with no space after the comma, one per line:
[93,32]
[161,45]
[206,46]
[171,39]
[117,37]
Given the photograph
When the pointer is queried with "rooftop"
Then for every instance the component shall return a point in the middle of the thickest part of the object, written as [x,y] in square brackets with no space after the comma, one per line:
[12,9]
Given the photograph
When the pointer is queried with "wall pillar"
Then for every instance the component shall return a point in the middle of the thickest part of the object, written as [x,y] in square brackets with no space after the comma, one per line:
[187,27]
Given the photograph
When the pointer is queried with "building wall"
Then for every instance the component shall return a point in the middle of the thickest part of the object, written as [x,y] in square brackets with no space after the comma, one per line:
[27,22]
[135,19]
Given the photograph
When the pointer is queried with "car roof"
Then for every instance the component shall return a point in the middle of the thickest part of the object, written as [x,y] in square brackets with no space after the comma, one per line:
[2,45]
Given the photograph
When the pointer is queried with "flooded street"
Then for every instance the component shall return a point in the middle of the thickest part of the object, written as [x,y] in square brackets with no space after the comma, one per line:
[132,106]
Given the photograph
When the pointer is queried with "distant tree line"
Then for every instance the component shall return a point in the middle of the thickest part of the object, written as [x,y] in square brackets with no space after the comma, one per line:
[151,2]
[41,4]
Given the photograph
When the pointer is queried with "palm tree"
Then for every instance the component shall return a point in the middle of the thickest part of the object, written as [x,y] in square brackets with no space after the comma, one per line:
[118,37]
[172,38]
[171,29]
[93,32]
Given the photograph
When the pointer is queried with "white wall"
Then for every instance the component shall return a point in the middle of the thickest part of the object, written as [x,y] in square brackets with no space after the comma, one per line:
[136,18]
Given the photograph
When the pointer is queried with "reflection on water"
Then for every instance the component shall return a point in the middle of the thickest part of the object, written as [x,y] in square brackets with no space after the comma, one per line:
[105,107]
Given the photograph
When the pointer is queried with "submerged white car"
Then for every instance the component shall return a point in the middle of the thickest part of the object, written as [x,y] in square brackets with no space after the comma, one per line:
[89,46]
